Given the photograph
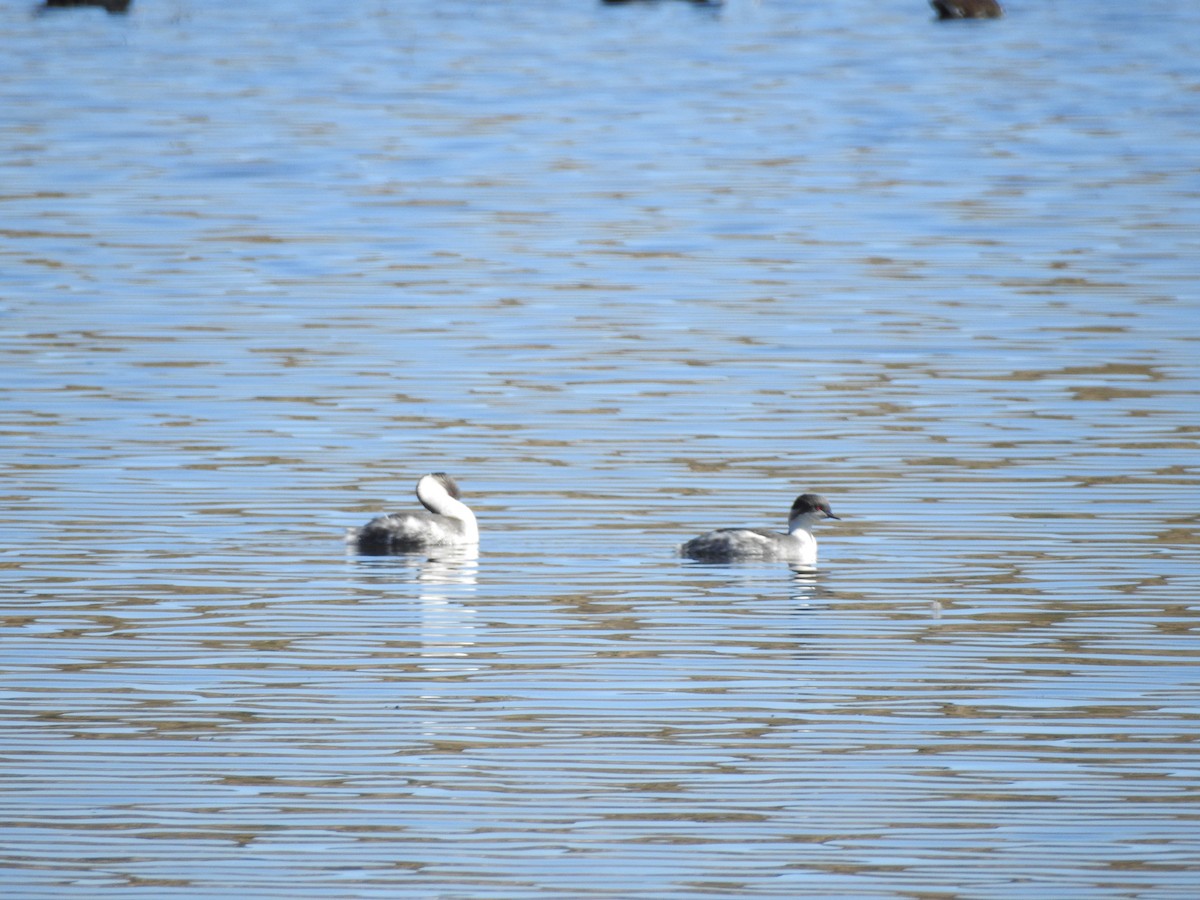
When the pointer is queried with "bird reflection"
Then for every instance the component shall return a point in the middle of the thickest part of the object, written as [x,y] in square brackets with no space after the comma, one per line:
[803,582]
[449,565]
[447,622]
[804,589]
[445,579]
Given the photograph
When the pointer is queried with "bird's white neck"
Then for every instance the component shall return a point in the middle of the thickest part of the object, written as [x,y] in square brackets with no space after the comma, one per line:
[435,498]
[802,524]
[799,530]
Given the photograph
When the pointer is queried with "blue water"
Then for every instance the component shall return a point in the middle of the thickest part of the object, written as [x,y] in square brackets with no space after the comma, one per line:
[629,273]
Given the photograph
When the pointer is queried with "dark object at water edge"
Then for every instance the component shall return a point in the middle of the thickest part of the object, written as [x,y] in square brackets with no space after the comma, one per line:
[693,2]
[967,9]
[109,6]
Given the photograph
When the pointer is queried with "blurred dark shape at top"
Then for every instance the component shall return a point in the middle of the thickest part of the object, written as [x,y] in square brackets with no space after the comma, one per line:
[967,9]
[109,6]
[630,2]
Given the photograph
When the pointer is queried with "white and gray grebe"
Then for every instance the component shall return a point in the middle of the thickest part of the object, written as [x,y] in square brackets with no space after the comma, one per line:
[797,545]
[448,523]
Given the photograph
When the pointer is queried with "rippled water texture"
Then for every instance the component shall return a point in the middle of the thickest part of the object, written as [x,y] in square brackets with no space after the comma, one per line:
[628,273]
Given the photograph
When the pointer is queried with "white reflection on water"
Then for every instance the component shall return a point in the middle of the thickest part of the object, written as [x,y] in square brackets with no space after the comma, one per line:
[803,582]
[445,579]
[448,622]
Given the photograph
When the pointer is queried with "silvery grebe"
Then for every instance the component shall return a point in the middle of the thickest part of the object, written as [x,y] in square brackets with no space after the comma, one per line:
[797,546]
[449,522]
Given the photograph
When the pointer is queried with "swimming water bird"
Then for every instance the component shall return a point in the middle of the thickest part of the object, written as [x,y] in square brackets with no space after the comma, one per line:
[967,9]
[797,546]
[448,523]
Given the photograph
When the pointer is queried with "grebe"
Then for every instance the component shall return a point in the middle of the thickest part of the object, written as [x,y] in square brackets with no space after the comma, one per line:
[798,545]
[449,522]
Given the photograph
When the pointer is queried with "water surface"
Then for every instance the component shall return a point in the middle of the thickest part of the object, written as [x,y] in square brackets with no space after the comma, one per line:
[628,273]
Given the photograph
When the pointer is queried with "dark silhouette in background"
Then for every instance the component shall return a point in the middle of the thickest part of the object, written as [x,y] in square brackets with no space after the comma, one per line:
[109,6]
[693,2]
[967,9]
